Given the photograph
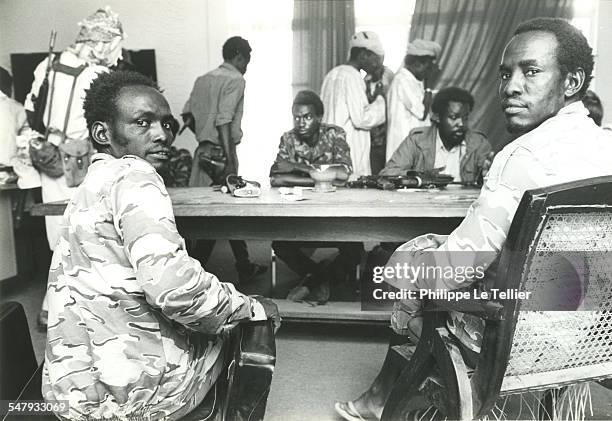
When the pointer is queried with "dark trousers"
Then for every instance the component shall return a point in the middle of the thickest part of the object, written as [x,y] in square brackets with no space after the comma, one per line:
[203,249]
[377,158]
[202,176]
[344,264]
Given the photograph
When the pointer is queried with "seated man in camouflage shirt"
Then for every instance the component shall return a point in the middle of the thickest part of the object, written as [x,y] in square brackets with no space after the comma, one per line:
[136,326]
[312,143]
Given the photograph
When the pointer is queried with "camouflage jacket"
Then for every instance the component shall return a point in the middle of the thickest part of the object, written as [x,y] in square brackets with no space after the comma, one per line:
[135,324]
[178,170]
[331,148]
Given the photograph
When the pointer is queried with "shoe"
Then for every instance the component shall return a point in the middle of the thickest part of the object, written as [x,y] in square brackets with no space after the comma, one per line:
[348,411]
[298,293]
[246,276]
[42,320]
[320,293]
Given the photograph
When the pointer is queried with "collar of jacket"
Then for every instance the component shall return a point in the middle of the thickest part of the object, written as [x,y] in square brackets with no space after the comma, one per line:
[427,142]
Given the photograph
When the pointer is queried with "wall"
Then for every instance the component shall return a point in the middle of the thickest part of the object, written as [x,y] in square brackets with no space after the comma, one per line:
[187,35]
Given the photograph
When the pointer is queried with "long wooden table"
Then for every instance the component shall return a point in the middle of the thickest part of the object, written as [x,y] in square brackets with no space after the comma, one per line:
[343,215]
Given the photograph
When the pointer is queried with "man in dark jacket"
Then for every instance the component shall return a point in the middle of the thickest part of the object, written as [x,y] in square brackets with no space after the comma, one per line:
[447,145]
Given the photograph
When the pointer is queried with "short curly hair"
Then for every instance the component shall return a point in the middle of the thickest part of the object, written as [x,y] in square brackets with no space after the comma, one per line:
[573,50]
[310,98]
[446,95]
[101,97]
[234,46]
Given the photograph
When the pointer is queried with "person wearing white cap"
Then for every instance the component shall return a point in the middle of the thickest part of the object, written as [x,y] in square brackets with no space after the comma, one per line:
[405,100]
[345,101]
[96,48]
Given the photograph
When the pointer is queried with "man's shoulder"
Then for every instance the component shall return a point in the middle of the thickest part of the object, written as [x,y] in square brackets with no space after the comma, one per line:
[332,130]
[420,133]
[343,71]
[120,168]
[476,137]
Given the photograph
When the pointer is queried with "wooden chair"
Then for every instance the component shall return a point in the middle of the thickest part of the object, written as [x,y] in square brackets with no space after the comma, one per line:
[524,349]
[240,393]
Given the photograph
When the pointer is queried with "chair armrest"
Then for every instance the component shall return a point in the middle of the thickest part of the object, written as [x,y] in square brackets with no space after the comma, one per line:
[486,309]
[257,344]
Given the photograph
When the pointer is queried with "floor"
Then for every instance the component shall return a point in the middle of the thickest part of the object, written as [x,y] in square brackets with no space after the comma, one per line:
[316,364]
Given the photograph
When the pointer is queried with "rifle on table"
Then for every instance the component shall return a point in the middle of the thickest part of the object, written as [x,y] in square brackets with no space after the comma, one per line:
[35,118]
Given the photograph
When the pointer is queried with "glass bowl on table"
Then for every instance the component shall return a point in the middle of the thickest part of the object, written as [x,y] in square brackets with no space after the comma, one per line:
[323,176]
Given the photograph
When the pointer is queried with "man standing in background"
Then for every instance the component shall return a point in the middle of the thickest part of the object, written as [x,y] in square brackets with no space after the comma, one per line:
[96,48]
[214,113]
[408,100]
[346,103]
[380,81]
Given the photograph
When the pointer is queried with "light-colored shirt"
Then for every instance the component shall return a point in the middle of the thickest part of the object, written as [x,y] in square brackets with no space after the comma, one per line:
[449,159]
[55,189]
[346,105]
[12,119]
[134,322]
[566,147]
[217,98]
[404,108]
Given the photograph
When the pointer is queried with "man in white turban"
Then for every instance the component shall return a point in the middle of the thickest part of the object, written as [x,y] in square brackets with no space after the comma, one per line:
[346,104]
[96,48]
[407,97]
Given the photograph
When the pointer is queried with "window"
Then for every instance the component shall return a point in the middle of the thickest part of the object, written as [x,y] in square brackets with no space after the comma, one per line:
[266,24]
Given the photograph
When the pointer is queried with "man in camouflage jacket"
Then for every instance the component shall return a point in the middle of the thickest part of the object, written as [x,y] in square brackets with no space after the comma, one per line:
[136,326]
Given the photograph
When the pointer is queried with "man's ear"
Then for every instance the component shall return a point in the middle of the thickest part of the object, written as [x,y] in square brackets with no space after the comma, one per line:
[100,133]
[573,82]
[435,117]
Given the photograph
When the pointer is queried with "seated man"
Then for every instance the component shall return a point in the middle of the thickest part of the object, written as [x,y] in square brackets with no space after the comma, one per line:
[136,327]
[448,144]
[544,73]
[312,143]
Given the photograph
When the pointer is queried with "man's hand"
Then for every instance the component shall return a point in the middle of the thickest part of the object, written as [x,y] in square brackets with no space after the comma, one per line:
[378,90]
[271,310]
[427,101]
[486,165]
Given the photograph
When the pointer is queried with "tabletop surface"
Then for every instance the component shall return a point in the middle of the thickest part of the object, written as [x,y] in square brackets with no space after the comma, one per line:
[452,201]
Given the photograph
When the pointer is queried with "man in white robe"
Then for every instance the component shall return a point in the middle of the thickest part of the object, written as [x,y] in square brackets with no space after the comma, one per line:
[346,104]
[406,108]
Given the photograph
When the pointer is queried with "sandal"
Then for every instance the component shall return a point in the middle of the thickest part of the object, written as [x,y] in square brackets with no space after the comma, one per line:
[348,411]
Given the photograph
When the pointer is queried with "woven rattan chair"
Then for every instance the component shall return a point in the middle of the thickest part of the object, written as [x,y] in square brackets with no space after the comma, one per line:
[524,349]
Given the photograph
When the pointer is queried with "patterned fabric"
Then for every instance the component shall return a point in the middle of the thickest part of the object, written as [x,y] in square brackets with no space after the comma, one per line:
[177,171]
[330,148]
[346,105]
[135,324]
[566,147]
